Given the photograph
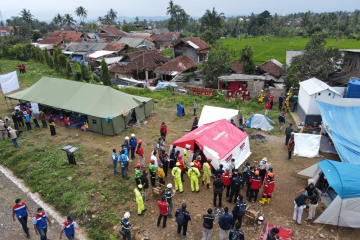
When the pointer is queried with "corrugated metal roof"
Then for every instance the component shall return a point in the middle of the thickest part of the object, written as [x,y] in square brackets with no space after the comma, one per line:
[101,53]
[314,85]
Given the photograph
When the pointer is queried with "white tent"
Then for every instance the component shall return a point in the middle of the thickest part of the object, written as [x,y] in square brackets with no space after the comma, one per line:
[211,114]
[344,210]
[307,145]
[261,122]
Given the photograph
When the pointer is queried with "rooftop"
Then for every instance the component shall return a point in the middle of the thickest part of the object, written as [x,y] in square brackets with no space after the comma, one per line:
[68,36]
[272,67]
[241,77]
[178,65]
[198,44]
[237,67]
[112,30]
[114,46]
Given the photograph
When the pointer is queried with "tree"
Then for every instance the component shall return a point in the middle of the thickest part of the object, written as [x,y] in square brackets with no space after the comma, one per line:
[316,61]
[105,75]
[246,55]
[212,19]
[112,15]
[81,12]
[26,16]
[128,28]
[35,36]
[218,64]
[178,17]
[58,20]
[68,20]
[137,20]
[305,22]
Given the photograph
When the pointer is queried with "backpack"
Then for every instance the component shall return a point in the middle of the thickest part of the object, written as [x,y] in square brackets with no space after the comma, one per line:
[242,209]
[162,129]
[180,219]
[237,235]
[237,183]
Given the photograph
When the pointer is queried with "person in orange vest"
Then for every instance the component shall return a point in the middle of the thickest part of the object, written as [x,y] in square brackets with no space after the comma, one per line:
[226,178]
[197,162]
[255,182]
[267,107]
[268,189]
[271,99]
[179,160]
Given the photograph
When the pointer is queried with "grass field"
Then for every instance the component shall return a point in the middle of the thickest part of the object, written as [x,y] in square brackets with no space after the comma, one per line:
[264,51]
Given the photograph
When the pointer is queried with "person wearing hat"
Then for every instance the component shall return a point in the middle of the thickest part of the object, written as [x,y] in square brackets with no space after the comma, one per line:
[139,200]
[7,122]
[144,181]
[271,99]
[68,227]
[13,136]
[152,170]
[207,173]
[261,97]
[194,175]
[288,132]
[273,234]
[263,167]
[124,164]
[34,117]
[235,185]
[140,153]
[281,120]
[218,189]
[281,101]
[181,166]
[163,130]
[291,146]
[163,209]
[226,178]
[176,173]
[169,194]
[255,182]
[133,143]
[269,186]
[126,226]
[161,174]
[197,163]
[137,173]
[126,144]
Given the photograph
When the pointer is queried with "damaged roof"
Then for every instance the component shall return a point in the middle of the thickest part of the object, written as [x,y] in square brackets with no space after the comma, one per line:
[237,66]
[179,65]
[198,44]
[273,67]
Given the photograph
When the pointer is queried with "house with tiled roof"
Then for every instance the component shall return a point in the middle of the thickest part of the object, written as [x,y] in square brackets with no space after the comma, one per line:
[175,67]
[7,30]
[271,68]
[237,67]
[58,38]
[194,48]
[116,47]
[137,43]
[166,40]
[111,30]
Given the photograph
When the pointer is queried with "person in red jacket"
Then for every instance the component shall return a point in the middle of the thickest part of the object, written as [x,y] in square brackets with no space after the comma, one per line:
[197,163]
[140,152]
[226,178]
[163,130]
[268,188]
[267,108]
[270,170]
[271,99]
[255,182]
[179,160]
[163,209]
[23,68]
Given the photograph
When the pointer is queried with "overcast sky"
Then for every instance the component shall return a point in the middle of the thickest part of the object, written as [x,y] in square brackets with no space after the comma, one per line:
[45,10]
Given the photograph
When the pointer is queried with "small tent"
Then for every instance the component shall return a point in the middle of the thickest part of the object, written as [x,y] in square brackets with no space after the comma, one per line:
[107,109]
[221,141]
[260,121]
[211,114]
[180,110]
[344,210]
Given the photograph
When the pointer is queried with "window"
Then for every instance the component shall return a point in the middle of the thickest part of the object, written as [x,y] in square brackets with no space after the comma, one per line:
[329,94]
[94,121]
[319,93]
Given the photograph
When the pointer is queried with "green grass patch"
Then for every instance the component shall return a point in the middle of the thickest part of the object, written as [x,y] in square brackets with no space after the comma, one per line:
[276,48]
[168,52]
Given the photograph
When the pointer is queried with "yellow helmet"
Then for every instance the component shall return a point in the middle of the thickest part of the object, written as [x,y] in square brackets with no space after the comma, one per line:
[140,186]
[177,164]
[262,90]
[192,164]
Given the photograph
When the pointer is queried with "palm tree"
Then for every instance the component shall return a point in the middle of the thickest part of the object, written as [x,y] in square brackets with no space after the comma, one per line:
[68,19]
[170,8]
[58,19]
[81,12]
[112,15]
[212,19]
[26,16]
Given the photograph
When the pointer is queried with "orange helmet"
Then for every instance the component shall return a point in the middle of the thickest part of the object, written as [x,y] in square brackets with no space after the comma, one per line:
[208,159]
[270,174]
[140,142]
[180,156]
[256,173]
[152,161]
[138,165]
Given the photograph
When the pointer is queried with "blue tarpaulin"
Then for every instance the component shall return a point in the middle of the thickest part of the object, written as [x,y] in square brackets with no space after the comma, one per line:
[180,110]
[164,85]
[342,177]
[77,57]
[342,124]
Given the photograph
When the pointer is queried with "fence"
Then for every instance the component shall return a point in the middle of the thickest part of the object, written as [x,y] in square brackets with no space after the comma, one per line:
[206,92]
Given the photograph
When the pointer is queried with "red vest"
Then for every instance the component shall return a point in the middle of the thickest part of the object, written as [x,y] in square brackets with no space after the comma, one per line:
[269,186]
[181,164]
[226,177]
[255,182]
[197,164]
[163,207]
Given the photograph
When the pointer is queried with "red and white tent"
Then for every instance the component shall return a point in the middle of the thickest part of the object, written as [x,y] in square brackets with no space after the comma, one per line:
[221,141]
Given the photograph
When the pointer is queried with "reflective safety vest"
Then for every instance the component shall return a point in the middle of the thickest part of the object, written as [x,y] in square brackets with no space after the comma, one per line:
[69,228]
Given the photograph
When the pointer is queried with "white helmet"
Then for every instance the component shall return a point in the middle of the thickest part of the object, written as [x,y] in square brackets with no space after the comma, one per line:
[127,215]
[126,138]
[132,135]
[169,185]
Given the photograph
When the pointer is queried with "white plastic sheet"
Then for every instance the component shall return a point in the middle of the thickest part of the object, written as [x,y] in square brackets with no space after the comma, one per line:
[9,82]
[307,145]
[35,107]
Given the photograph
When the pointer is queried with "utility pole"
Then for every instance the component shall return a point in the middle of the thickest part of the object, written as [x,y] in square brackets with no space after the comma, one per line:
[337,32]
[2,23]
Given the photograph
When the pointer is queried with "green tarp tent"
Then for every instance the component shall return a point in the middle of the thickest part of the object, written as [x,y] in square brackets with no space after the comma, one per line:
[97,102]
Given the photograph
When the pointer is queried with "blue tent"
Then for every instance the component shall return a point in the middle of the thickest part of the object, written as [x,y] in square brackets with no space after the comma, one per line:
[180,110]
[342,124]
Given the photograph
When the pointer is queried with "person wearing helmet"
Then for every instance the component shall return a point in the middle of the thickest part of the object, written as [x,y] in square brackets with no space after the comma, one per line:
[186,154]
[255,182]
[169,194]
[197,162]
[153,157]
[152,170]
[176,172]
[126,144]
[270,170]
[140,152]
[181,166]
[194,175]
[261,97]
[124,164]
[207,173]
[161,174]
[291,92]
[263,167]
[269,186]
[163,209]
[68,227]
[133,143]
[137,173]
[163,130]
[271,99]
[115,160]
[126,226]
[226,178]
[139,199]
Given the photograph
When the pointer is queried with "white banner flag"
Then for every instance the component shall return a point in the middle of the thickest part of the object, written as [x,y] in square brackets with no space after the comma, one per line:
[9,82]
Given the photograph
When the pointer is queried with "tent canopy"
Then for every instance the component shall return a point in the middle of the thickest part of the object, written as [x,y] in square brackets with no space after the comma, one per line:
[221,136]
[260,121]
[342,177]
[341,123]
[211,114]
[95,100]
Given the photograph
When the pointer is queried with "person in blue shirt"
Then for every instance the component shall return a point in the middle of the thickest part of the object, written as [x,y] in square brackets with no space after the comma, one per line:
[225,223]
[124,163]
[126,226]
[114,159]
[126,144]
[133,143]
[123,147]
[27,120]
[40,221]
[68,227]
[21,211]
[220,170]
[281,120]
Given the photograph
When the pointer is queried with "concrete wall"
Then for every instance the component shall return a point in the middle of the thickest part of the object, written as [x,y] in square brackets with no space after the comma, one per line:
[255,87]
[325,95]
[276,92]
[123,75]
[304,100]
[182,49]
